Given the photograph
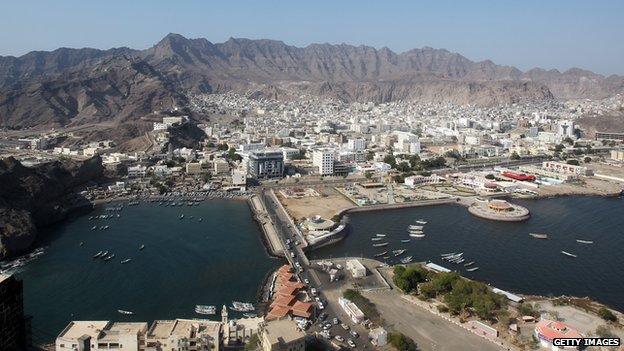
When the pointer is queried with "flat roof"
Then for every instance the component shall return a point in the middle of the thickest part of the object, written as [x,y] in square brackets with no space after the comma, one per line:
[510,296]
[282,330]
[76,329]
[437,267]
[161,329]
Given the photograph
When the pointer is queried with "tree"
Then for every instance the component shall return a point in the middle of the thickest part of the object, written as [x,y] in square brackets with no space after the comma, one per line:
[559,147]
[515,156]
[604,332]
[389,159]
[587,159]
[368,174]
[370,156]
[607,315]
[490,176]
[232,155]
[222,147]
[401,342]
[573,162]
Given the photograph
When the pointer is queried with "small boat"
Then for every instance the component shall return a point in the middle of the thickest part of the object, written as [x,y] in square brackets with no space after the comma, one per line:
[381,254]
[584,241]
[398,252]
[108,258]
[381,235]
[200,219]
[81,243]
[181,216]
[104,254]
[141,247]
[420,221]
[94,227]
[125,312]
[126,260]
[415,227]
[380,245]
[472,269]
[469,263]
[413,235]
[407,259]
[377,239]
[539,236]
[204,309]
[250,315]
[98,254]
[447,254]
[568,254]
[405,240]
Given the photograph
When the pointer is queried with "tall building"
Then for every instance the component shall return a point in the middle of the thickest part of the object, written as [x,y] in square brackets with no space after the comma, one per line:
[324,160]
[266,164]
[565,129]
[13,330]
[356,144]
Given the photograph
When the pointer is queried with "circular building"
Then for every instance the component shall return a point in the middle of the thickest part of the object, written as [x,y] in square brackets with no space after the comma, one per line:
[499,210]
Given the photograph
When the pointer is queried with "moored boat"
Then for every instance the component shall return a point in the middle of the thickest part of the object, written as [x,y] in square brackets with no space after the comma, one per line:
[568,254]
[584,241]
[539,236]
[472,269]
[405,240]
[413,235]
[126,260]
[380,254]
[380,245]
[125,312]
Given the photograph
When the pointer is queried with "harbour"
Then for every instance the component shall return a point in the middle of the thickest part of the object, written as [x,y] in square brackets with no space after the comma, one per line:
[174,264]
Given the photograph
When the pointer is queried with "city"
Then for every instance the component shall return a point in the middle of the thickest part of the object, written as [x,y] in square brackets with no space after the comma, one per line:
[189,200]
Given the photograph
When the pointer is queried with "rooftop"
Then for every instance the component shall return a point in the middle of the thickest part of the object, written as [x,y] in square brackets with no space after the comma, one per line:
[77,329]
[282,330]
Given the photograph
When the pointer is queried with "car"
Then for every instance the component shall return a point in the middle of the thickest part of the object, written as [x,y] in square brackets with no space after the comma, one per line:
[313,291]
[354,334]
[321,306]
[306,281]
[335,321]
[327,327]
[323,316]
[339,338]
[344,326]
[351,343]
[292,254]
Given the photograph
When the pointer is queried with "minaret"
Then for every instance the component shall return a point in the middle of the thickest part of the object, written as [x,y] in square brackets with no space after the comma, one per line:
[224,315]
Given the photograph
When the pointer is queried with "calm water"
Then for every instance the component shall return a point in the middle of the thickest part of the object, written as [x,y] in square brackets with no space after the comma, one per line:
[507,256]
[185,262]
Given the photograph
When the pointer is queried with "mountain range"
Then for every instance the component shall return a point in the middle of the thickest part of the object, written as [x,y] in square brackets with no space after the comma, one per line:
[68,87]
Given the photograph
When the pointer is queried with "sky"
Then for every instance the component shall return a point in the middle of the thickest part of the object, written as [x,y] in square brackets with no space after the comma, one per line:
[549,34]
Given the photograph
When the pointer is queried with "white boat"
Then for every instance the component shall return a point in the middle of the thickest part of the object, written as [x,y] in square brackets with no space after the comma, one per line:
[405,240]
[380,245]
[381,235]
[447,254]
[181,216]
[416,232]
[94,227]
[204,309]
[126,260]
[98,254]
[407,259]
[469,263]
[568,254]
[125,312]
[242,306]
[415,227]
[107,258]
[539,236]
[472,269]
[377,238]
[141,247]
[398,252]
[584,241]
[420,221]
[381,254]
[413,235]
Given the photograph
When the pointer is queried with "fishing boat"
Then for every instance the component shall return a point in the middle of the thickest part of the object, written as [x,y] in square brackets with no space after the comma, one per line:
[81,243]
[141,247]
[98,254]
[398,252]
[405,240]
[568,254]
[584,241]
[181,216]
[242,306]
[380,245]
[94,227]
[415,227]
[107,258]
[413,235]
[407,259]
[420,221]
[125,312]
[205,309]
[472,269]
[447,254]
[381,254]
[539,236]
[386,257]
[469,263]
[104,254]
[250,315]
[381,235]
[376,239]
[126,260]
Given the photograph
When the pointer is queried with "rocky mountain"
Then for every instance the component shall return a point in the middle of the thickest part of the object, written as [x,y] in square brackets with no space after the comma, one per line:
[77,86]
[32,197]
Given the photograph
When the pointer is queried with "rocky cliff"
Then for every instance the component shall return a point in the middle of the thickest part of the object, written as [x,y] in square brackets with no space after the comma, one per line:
[35,197]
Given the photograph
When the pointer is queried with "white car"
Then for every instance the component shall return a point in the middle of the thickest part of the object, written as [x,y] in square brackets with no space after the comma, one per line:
[313,291]
[344,326]
[351,343]
[306,281]
[321,306]
[339,338]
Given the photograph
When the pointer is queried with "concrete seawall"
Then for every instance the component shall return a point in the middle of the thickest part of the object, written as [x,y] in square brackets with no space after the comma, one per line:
[270,236]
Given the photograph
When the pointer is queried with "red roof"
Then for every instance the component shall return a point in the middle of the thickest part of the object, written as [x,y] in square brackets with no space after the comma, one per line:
[549,330]
[283,300]
[278,312]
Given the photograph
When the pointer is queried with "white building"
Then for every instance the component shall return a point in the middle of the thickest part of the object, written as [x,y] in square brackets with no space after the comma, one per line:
[358,144]
[407,143]
[378,336]
[356,268]
[102,335]
[565,129]
[323,159]
[354,312]
[138,171]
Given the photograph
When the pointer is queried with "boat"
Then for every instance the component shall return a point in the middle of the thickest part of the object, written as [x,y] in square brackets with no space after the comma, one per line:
[141,247]
[376,239]
[584,241]
[413,235]
[381,235]
[381,254]
[416,232]
[405,240]
[469,263]
[205,309]
[107,258]
[104,254]
[398,252]
[94,227]
[126,260]
[181,216]
[125,312]
[380,245]
[200,219]
[415,227]
[407,259]
[472,269]
[539,236]
[420,221]
[568,254]
[250,315]
[98,254]
[447,254]
[242,306]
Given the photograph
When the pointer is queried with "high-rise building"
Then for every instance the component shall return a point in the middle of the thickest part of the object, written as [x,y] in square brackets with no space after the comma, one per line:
[266,164]
[13,330]
[324,160]
[565,129]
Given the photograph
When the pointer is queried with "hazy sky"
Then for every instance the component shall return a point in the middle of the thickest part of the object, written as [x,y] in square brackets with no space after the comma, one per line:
[549,34]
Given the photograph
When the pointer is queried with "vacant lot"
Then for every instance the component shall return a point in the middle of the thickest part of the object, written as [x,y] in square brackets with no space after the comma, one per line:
[329,203]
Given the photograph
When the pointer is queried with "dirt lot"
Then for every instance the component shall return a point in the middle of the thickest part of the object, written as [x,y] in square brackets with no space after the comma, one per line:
[588,186]
[327,205]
